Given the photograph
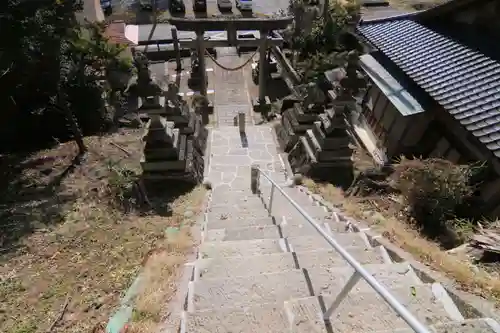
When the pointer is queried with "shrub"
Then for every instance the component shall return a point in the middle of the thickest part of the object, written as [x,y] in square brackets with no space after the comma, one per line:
[433,189]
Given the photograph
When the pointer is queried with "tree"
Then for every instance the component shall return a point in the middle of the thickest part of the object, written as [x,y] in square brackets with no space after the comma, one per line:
[52,70]
[320,42]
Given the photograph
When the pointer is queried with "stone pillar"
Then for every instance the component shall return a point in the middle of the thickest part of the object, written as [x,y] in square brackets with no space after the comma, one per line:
[201,57]
[262,66]
[231,36]
[176,48]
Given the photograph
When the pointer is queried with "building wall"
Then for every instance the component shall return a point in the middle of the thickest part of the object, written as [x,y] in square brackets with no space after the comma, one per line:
[426,135]
[395,133]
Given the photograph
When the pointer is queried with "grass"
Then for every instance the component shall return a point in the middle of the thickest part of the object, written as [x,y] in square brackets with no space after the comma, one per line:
[382,214]
[79,235]
[162,268]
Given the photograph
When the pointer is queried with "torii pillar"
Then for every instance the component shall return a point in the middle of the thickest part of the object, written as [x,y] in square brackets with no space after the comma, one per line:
[200,39]
[263,104]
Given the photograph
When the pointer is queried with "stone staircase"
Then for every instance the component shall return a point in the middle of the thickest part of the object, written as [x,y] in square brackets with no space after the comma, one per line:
[261,273]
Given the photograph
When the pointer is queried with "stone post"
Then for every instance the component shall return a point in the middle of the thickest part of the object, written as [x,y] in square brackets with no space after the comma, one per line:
[176,48]
[232,36]
[201,57]
[262,66]
[254,178]
[241,121]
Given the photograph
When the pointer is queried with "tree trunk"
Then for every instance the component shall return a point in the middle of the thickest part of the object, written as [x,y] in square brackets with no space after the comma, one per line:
[73,124]
[77,133]
[325,10]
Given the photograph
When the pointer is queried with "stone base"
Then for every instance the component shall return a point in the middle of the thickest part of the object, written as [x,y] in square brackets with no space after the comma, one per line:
[210,108]
[261,106]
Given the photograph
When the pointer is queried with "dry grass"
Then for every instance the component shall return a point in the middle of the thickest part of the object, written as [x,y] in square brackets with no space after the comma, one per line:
[383,217]
[63,235]
[162,270]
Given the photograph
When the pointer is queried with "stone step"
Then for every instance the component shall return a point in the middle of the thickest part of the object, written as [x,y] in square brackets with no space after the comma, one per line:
[243,233]
[329,280]
[225,189]
[241,209]
[318,213]
[233,215]
[324,259]
[368,312]
[211,294]
[331,224]
[251,202]
[359,312]
[225,267]
[486,325]
[346,240]
[258,318]
[296,195]
[242,248]
[239,223]
[260,232]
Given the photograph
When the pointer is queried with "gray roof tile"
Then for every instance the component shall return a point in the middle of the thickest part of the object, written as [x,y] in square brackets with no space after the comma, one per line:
[462,80]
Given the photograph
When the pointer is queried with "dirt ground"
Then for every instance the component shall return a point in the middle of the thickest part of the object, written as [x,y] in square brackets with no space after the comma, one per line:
[72,238]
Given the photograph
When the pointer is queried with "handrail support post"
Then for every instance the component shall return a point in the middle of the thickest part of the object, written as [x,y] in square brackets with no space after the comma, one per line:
[254,178]
[271,197]
[342,295]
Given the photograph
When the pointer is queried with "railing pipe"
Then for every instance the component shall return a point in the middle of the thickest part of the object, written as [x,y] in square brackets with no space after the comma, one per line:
[381,290]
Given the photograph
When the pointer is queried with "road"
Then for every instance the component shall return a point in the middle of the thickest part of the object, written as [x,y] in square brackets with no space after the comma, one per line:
[131,11]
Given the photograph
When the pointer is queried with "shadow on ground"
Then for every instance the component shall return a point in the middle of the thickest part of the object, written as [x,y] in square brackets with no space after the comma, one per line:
[29,197]
[162,194]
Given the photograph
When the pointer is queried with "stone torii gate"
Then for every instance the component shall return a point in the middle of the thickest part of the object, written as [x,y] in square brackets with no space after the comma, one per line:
[267,38]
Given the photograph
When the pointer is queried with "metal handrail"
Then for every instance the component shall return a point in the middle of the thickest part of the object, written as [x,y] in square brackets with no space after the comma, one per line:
[359,271]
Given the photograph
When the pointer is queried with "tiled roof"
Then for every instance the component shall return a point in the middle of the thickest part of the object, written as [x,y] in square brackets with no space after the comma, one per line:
[463,81]
[115,31]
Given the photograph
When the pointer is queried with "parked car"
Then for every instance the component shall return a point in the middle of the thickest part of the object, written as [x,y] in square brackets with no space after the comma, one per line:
[146,4]
[200,5]
[244,5]
[106,7]
[177,6]
[224,5]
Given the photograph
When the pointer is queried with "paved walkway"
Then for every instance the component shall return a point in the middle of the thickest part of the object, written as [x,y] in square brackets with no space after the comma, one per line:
[232,93]
[232,154]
